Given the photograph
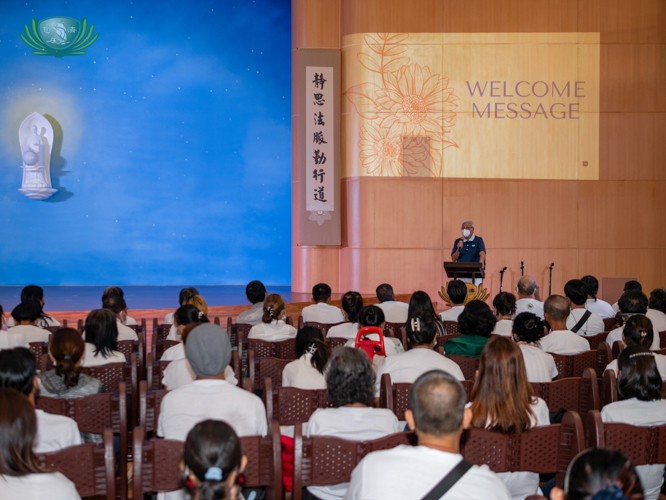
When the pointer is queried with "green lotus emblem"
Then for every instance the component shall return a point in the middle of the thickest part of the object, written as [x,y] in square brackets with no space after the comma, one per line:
[59,36]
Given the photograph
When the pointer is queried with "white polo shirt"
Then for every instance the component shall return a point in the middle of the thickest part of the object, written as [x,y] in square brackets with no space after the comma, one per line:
[344,331]
[504,327]
[9,340]
[592,326]
[51,485]
[129,320]
[125,332]
[564,342]
[31,333]
[322,312]
[55,432]
[275,331]
[394,312]
[540,365]
[91,359]
[529,305]
[173,353]
[252,316]
[168,319]
[406,367]
[451,314]
[301,374]
[42,322]
[410,472]
[658,320]
[179,373]
[616,336]
[600,307]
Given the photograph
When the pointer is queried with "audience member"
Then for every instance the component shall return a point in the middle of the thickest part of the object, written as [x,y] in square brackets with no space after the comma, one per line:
[35,294]
[629,285]
[631,303]
[406,367]
[350,382]
[26,316]
[3,320]
[9,340]
[505,306]
[561,340]
[17,371]
[528,329]
[421,305]
[657,310]
[255,292]
[118,307]
[273,327]
[475,324]
[438,416]
[528,297]
[503,400]
[639,390]
[352,303]
[457,292]
[183,296]
[101,333]
[595,305]
[307,372]
[580,320]
[638,331]
[184,316]
[394,311]
[21,475]
[193,300]
[117,292]
[322,311]
[373,316]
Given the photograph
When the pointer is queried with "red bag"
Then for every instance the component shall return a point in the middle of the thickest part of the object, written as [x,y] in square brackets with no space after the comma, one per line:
[287,462]
[370,347]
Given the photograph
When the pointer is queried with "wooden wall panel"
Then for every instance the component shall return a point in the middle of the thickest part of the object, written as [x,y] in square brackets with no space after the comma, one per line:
[392,16]
[312,265]
[315,24]
[622,21]
[648,264]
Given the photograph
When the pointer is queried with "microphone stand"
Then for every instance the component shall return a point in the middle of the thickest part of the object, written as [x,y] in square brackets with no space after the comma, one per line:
[522,268]
[502,277]
[550,282]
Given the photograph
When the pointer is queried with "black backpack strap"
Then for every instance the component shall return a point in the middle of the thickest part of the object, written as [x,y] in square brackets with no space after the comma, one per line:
[581,321]
[448,481]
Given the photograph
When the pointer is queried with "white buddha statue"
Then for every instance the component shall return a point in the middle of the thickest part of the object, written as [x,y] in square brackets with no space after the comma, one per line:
[36,155]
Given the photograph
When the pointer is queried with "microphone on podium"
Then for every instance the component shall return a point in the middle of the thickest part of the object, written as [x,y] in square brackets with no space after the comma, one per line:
[550,282]
[502,278]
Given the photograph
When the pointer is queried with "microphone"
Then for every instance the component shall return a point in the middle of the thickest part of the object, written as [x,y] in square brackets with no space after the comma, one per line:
[550,282]
[502,277]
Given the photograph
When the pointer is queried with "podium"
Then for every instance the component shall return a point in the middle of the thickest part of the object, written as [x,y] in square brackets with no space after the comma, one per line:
[471,270]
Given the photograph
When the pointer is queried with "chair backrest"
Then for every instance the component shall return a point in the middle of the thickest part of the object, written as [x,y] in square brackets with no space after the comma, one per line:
[39,349]
[618,347]
[608,388]
[300,321]
[150,403]
[140,327]
[52,329]
[155,372]
[160,331]
[597,339]
[91,467]
[572,365]
[335,342]
[451,327]
[394,328]
[662,340]
[261,368]
[469,366]
[579,394]
[160,346]
[285,349]
[129,347]
[324,327]
[289,405]
[241,330]
[443,339]
[611,324]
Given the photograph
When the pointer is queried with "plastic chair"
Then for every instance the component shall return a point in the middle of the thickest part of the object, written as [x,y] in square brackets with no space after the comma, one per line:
[573,365]
[597,339]
[469,366]
[451,327]
[335,342]
[139,328]
[155,372]
[160,332]
[369,346]
[289,405]
[662,340]
[261,368]
[39,349]
[285,349]
[52,329]
[138,347]
[618,347]
[608,389]
[611,324]
[394,328]
[324,327]
[579,394]
[159,346]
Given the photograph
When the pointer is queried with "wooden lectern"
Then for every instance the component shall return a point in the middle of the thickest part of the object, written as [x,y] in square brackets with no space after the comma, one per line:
[457,270]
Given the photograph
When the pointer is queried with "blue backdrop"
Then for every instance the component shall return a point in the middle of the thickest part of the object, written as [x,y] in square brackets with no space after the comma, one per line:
[172,149]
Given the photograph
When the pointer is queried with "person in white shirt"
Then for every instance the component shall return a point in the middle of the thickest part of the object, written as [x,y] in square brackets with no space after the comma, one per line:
[116,291]
[118,307]
[255,292]
[307,372]
[352,303]
[373,316]
[420,304]
[560,340]
[629,285]
[101,334]
[195,300]
[528,297]
[185,316]
[595,305]
[394,311]
[183,296]
[35,294]
[322,311]
[503,401]
[576,293]
[9,340]
[273,327]
[639,390]
[528,329]
[505,305]
[17,371]
[21,475]
[657,310]
[406,367]
[457,292]
[349,380]
[638,331]
[438,416]
[631,303]
[26,316]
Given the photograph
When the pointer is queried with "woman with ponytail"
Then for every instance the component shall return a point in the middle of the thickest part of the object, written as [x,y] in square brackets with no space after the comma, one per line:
[638,331]
[527,329]
[185,315]
[272,327]
[35,295]
[307,372]
[352,303]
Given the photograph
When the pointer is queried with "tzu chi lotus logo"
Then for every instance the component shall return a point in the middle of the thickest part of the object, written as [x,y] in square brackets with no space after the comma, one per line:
[59,36]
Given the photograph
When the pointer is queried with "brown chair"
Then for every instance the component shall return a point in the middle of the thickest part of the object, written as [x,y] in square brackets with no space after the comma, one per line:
[451,327]
[241,331]
[160,332]
[138,347]
[324,327]
[469,366]
[159,346]
[91,467]
[39,349]
[289,320]
[155,372]
[579,394]
[261,368]
[662,340]
[335,342]
[608,389]
[597,339]
[285,349]
[79,325]
[64,323]
[149,407]
[443,339]
[618,347]
[300,321]
[52,329]
[233,337]
[611,324]
[289,405]
[573,365]
[394,328]
[139,328]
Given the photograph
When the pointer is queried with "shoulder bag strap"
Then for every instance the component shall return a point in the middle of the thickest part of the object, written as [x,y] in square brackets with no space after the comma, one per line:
[448,481]
[581,321]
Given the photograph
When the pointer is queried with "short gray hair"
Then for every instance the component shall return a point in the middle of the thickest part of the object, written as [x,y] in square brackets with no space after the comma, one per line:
[471,222]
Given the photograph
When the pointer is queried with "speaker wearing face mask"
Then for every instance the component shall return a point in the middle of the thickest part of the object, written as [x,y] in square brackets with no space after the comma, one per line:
[469,248]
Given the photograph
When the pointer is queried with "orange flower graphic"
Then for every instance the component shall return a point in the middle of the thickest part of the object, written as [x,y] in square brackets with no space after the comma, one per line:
[380,154]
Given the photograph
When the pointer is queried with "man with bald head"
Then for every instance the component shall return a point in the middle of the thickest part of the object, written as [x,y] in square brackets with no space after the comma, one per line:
[438,416]
[561,340]
[528,297]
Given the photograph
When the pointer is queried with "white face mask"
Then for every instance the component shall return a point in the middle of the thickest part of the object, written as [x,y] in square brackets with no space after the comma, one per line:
[466,233]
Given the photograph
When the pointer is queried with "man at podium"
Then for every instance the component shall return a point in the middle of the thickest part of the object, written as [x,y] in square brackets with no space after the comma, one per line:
[469,248]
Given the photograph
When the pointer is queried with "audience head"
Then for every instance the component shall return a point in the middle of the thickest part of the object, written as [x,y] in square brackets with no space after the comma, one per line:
[17,370]
[501,395]
[632,285]
[273,308]
[18,431]
[504,304]
[437,403]
[420,305]
[255,291]
[212,460]
[309,339]
[633,302]
[592,285]
[350,378]
[27,312]
[33,293]
[371,316]
[476,319]
[187,293]
[198,302]
[527,327]
[352,303]
[422,330]
[658,300]
[113,291]
[116,305]
[576,292]
[526,286]
[102,331]
[184,331]
[556,309]
[638,331]
[208,350]
[188,314]
[66,350]
[457,292]
[384,292]
[639,377]
[321,292]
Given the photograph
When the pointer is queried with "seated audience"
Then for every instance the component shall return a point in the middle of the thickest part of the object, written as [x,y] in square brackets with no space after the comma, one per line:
[438,416]
[505,305]
[307,372]
[273,327]
[374,316]
[10,340]
[527,332]
[195,300]
[35,294]
[657,310]
[21,475]
[352,303]
[503,401]
[576,293]
[322,311]
[183,296]
[421,305]
[561,340]
[631,303]
[117,292]
[595,305]
[101,333]
[475,325]
[255,292]
[17,371]
[26,316]
[406,367]
[638,331]
[185,315]
[528,297]
[600,474]
[350,382]
[640,404]
[394,311]
[118,307]
[457,292]
[212,462]
[629,285]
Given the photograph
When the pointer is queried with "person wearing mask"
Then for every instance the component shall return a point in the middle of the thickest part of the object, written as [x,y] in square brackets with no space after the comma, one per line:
[307,371]
[595,305]
[322,311]
[394,311]
[35,294]
[469,248]
[118,307]
[457,292]
[527,332]
[580,320]
[255,292]
[183,296]
[117,292]
[561,340]
[184,316]
[505,305]
[528,297]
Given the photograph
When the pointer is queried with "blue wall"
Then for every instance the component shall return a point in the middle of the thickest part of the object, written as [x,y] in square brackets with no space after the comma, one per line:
[173,163]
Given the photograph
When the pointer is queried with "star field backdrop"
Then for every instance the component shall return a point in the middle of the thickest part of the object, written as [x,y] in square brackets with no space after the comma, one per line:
[173,164]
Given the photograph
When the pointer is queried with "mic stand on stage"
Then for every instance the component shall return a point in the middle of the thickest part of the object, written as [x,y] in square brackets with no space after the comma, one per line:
[550,282]
[502,277]
[522,268]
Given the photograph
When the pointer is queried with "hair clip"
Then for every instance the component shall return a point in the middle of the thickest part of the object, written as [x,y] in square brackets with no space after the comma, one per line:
[641,354]
[200,314]
[66,357]
[214,474]
[416,324]
[643,333]
[312,348]
[611,492]
[269,310]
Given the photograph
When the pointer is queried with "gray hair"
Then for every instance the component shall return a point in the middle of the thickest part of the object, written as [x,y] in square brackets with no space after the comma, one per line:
[471,222]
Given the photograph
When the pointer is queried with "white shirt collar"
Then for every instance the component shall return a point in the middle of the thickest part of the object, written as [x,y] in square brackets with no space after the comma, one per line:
[472,238]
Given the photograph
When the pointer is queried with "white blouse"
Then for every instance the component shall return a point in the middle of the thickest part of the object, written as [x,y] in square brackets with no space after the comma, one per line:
[275,331]
[91,359]
[301,374]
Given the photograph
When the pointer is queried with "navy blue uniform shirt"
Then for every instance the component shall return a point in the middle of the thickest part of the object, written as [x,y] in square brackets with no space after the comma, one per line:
[470,249]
